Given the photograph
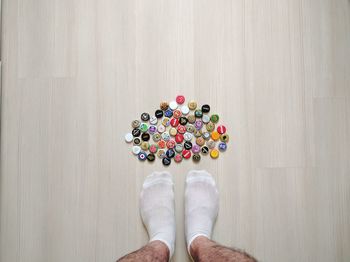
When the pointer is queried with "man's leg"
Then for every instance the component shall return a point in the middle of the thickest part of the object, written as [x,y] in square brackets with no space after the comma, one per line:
[157,210]
[153,251]
[201,210]
[203,249]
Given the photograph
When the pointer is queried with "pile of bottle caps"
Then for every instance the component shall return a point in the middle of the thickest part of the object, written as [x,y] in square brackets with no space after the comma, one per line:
[177,131]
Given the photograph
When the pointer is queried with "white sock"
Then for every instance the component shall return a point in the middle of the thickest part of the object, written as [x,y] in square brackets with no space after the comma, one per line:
[201,205]
[157,208]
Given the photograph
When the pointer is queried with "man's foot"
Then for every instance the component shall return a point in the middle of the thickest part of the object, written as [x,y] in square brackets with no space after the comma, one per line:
[157,208]
[201,205]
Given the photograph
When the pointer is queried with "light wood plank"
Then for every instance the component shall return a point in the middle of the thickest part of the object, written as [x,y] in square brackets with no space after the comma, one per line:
[46,43]
[75,73]
[325,39]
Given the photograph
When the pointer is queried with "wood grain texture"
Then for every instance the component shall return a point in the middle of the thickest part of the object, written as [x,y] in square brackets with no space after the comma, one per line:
[75,73]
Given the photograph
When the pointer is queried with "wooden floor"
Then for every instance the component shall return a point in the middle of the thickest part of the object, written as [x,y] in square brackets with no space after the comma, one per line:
[75,73]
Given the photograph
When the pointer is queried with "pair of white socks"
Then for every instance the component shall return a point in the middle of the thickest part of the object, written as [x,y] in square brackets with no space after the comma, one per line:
[157,207]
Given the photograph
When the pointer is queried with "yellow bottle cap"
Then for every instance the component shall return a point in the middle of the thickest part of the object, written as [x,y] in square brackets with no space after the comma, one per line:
[214,153]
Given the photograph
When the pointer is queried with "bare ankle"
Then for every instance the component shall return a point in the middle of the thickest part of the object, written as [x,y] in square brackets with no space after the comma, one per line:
[204,249]
[161,248]
[199,243]
[154,251]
